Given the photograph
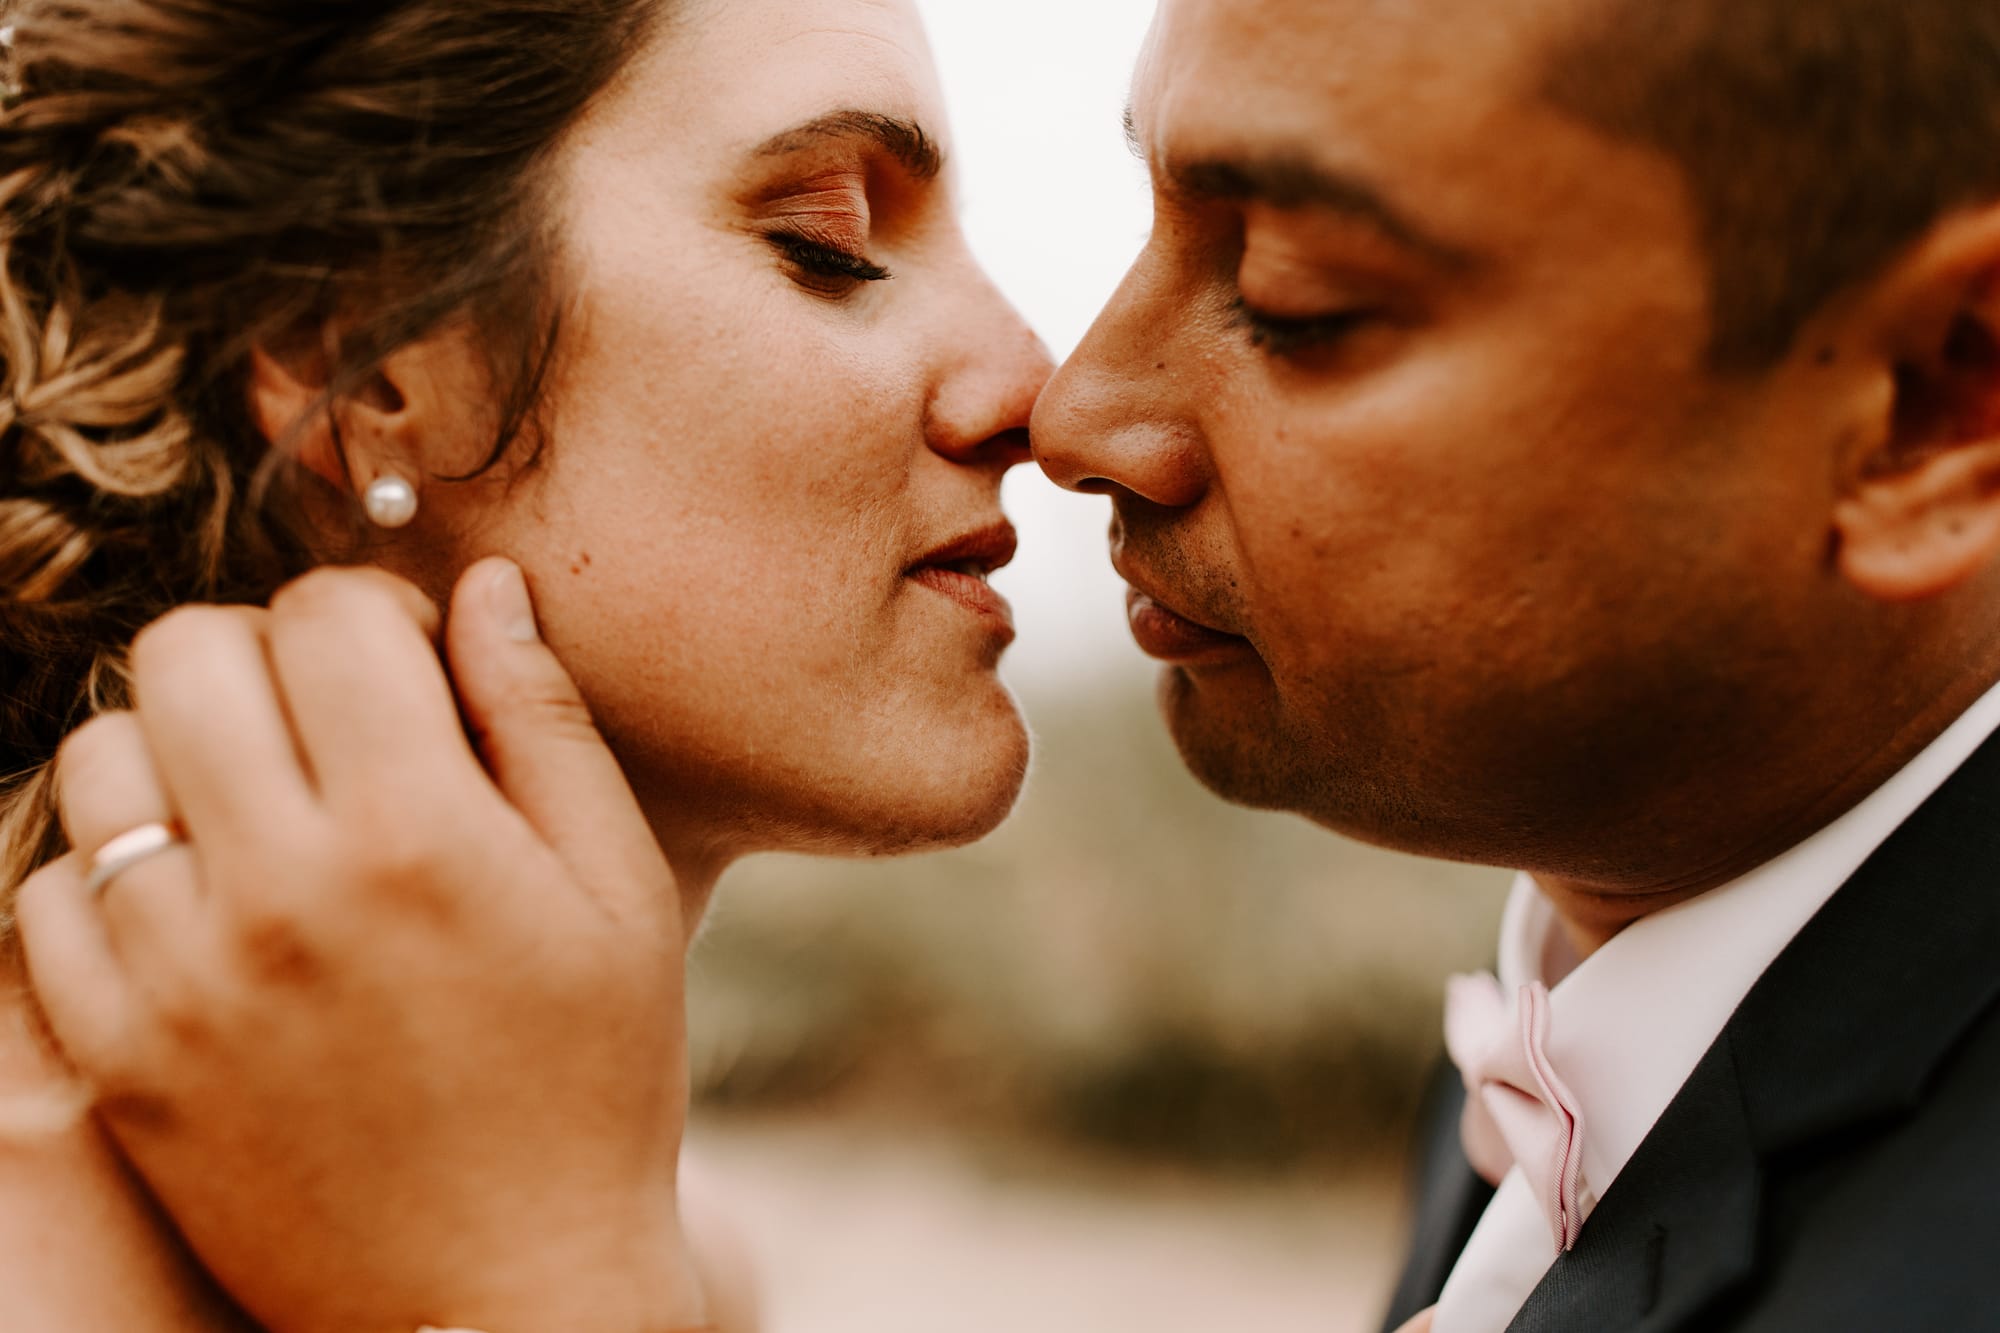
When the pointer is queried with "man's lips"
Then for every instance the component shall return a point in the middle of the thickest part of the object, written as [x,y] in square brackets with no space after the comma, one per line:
[1166,634]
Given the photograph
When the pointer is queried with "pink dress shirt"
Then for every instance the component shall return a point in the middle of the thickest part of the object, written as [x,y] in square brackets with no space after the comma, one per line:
[1628,1025]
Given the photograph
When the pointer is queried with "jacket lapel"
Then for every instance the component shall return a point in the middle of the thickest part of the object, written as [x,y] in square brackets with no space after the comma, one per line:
[1845,1029]
[1679,1225]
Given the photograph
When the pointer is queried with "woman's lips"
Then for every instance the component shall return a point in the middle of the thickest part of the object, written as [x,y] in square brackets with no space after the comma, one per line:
[1172,637]
[970,591]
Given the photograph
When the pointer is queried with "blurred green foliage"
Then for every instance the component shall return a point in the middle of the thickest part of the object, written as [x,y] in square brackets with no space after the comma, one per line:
[1130,965]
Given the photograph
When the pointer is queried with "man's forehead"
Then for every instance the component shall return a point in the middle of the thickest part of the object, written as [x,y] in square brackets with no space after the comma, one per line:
[1302,66]
[1430,110]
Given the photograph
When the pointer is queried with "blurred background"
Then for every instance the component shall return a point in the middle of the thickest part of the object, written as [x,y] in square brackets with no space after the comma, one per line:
[1141,1061]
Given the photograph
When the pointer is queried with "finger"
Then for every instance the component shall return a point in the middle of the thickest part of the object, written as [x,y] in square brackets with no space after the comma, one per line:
[107,784]
[151,909]
[360,674]
[1420,1324]
[108,787]
[83,989]
[541,747]
[216,727]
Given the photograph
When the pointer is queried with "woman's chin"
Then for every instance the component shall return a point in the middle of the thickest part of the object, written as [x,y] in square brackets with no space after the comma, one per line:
[969,821]
[940,787]
[949,796]
[923,788]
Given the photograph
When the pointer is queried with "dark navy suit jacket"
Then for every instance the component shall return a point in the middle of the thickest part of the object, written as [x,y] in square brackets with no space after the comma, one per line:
[1833,1163]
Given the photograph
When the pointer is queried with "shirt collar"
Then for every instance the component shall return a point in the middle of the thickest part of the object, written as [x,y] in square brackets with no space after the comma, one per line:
[1631,1022]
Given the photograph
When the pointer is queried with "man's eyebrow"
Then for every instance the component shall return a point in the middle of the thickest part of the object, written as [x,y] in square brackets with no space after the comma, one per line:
[1132,139]
[905,140]
[1291,182]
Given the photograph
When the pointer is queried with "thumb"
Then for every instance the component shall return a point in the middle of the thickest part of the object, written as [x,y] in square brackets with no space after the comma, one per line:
[541,747]
[1421,1324]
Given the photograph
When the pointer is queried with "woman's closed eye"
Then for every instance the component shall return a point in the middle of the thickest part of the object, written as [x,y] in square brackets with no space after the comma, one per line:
[823,267]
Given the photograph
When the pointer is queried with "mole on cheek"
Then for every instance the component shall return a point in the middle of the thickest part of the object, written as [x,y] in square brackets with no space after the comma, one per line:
[582,563]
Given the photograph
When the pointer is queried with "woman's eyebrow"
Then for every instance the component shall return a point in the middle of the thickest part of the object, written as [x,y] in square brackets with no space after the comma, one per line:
[905,140]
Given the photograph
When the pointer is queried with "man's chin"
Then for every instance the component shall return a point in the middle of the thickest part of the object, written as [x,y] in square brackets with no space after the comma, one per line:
[1240,744]
[1229,740]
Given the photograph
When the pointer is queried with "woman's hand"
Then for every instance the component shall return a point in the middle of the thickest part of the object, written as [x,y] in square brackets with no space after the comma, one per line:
[395,1041]
[81,1246]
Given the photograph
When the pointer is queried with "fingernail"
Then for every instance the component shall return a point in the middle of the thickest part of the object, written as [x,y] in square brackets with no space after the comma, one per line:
[512,605]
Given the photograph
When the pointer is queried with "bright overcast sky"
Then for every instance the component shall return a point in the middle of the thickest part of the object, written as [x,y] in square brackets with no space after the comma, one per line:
[1056,208]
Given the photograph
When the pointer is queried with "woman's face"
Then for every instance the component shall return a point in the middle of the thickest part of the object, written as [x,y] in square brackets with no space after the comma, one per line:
[786,400]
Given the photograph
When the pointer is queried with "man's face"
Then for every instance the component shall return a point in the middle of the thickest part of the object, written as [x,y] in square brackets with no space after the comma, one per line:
[1449,536]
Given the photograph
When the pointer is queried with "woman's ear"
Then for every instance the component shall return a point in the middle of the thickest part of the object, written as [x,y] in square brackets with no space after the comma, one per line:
[289,404]
[413,415]
[1920,514]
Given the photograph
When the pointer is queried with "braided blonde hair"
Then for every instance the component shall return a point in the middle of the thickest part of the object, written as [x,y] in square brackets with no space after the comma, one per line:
[182,181]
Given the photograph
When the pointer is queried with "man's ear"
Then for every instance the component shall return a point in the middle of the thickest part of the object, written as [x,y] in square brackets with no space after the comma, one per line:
[425,411]
[1920,514]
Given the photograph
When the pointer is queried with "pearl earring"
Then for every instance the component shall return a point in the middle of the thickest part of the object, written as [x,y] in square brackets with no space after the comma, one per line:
[391,502]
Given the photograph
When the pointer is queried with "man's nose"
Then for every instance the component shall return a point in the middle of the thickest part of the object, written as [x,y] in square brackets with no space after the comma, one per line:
[1115,418]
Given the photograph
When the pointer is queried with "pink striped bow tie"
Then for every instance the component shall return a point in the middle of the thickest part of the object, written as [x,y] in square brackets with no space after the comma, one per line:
[1517,1111]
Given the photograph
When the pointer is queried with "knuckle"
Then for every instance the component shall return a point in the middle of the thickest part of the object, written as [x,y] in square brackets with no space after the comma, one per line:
[40,900]
[417,880]
[402,862]
[116,1067]
[544,706]
[180,1021]
[254,620]
[569,722]
[102,741]
[276,948]
[127,1069]
[390,588]
[321,591]
[183,631]
[344,592]
[183,645]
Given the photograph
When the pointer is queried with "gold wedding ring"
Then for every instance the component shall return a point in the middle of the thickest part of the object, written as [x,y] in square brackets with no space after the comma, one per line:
[128,849]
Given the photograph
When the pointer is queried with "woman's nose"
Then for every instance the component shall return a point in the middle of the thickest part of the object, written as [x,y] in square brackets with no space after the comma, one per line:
[980,412]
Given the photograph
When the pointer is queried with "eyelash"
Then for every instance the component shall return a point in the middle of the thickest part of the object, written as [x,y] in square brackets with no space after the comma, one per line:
[824,268]
[1282,336]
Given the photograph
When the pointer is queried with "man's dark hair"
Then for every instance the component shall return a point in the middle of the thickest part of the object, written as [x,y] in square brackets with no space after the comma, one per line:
[1821,138]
